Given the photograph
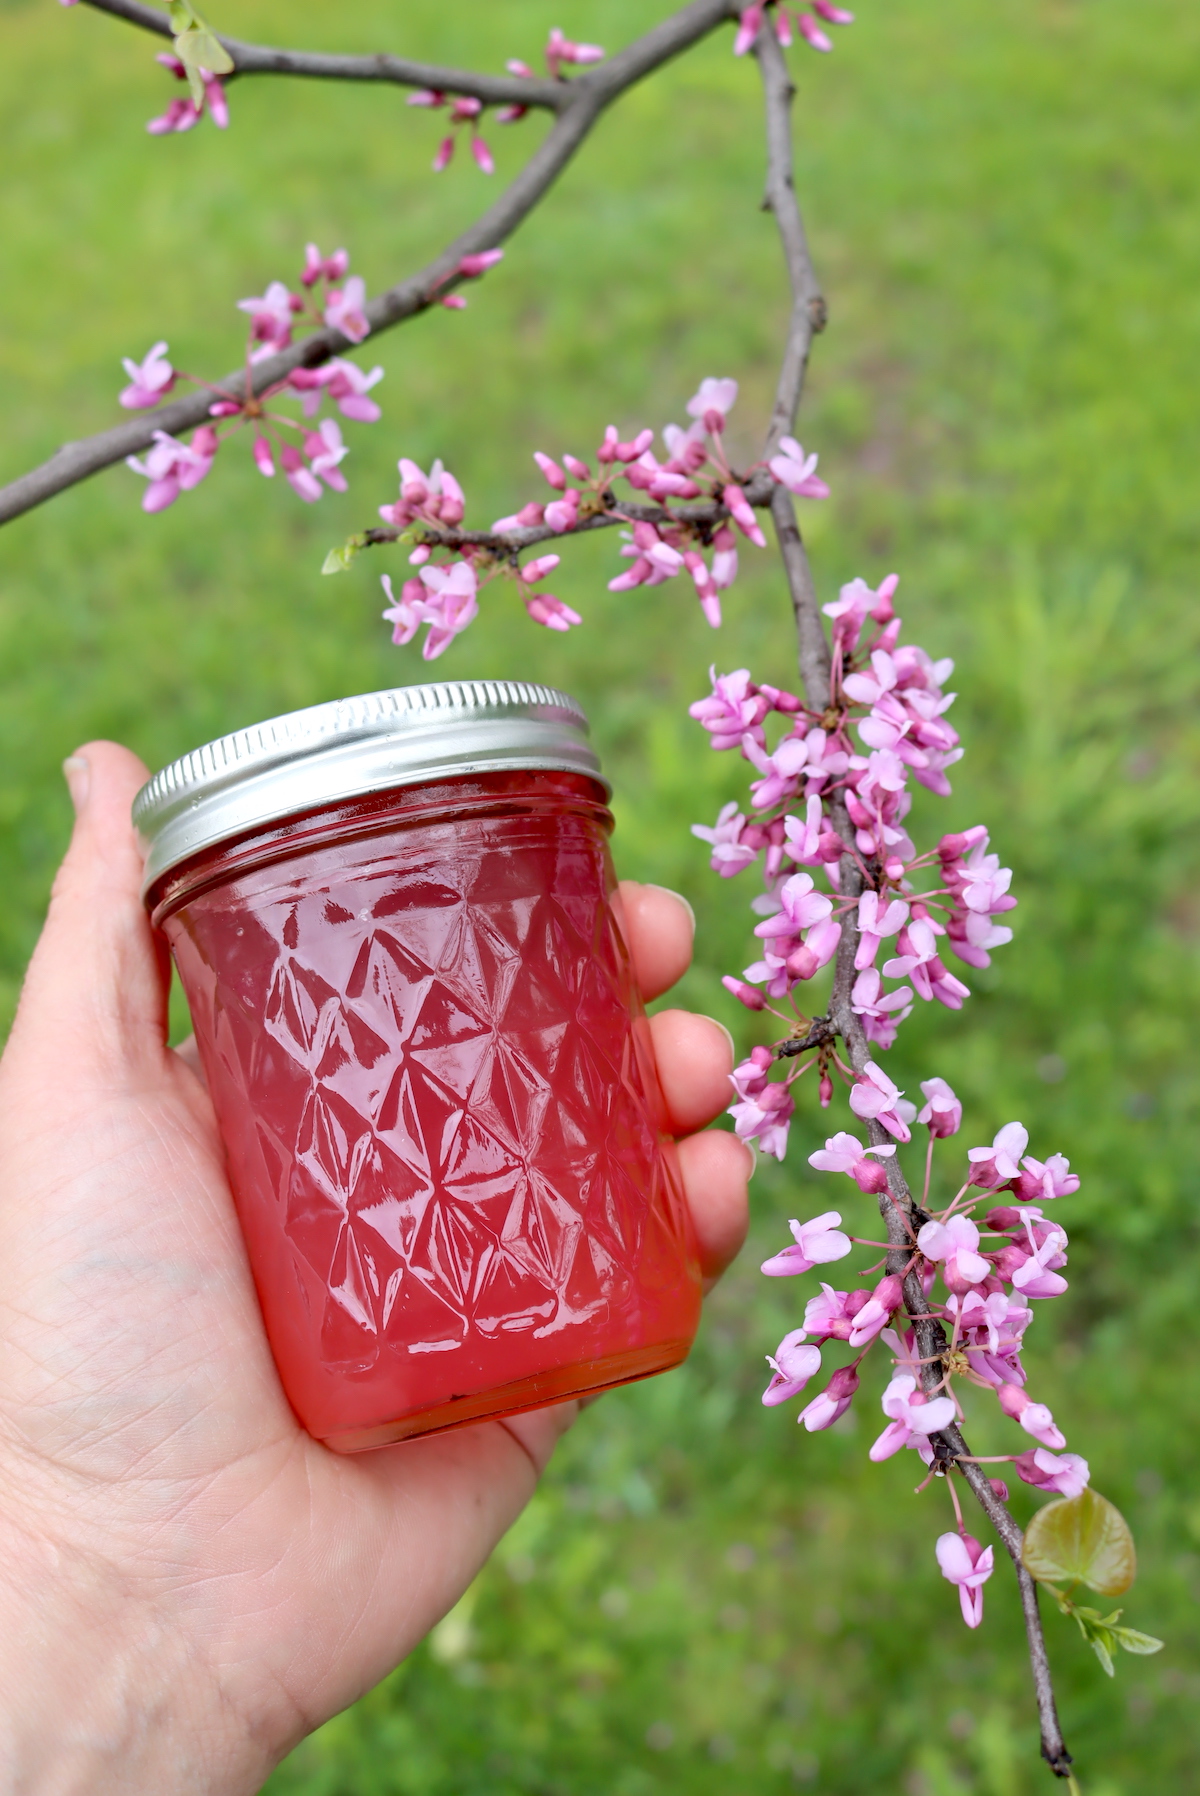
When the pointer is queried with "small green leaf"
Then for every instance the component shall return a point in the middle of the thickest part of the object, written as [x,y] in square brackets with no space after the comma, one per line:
[339,559]
[1101,1645]
[1133,1642]
[205,51]
[1084,1538]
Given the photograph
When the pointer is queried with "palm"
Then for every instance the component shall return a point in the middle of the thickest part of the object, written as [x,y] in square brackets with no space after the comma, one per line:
[140,1404]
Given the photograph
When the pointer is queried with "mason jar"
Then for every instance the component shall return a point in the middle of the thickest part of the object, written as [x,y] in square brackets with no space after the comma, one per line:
[393,918]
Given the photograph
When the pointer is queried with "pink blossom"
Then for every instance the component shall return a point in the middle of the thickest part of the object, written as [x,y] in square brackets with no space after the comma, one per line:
[846,1153]
[712,403]
[1066,1475]
[560,49]
[797,471]
[730,854]
[299,475]
[482,155]
[874,1097]
[1034,1418]
[344,309]
[832,1403]
[735,709]
[956,1243]
[271,317]
[554,613]
[473,266]
[150,379]
[318,267]
[942,1111]
[877,1312]
[811,32]
[749,23]
[1046,1179]
[345,383]
[745,994]
[742,513]
[965,1563]
[792,1365]
[173,467]
[182,114]
[444,152]
[831,1315]
[833,15]
[994,1166]
[818,1242]
[868,1000]
[800,907]
[911,1413]
[919,961]
[451,607]
[325,450]
[855,602]
[876,920]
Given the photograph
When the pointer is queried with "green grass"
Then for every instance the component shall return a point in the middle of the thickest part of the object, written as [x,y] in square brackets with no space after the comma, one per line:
[1005,205]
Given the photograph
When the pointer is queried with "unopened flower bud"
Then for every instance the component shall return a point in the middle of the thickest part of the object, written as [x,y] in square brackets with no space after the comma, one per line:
[745,994]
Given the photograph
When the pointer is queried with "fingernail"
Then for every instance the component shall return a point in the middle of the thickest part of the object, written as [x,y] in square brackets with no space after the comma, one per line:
[725,1033]
[679,897]
[753,1158]
[78,774]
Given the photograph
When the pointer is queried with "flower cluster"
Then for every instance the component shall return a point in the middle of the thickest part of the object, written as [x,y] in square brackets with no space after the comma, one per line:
[464,111]
[989,1277]
[308,451]
[821,797]
[750,21]
[682,513]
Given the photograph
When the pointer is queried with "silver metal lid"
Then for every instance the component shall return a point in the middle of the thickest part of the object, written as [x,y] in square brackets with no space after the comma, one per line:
[353,746]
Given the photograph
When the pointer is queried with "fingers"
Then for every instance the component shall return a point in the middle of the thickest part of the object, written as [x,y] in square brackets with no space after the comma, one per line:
[96,989]
[715,1167]
[694,1056]
[659,926]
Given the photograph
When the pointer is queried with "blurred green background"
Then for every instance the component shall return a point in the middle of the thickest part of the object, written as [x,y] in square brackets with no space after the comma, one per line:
[1004,202]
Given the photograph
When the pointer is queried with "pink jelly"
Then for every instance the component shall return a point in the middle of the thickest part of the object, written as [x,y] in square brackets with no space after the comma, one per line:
[432,1075]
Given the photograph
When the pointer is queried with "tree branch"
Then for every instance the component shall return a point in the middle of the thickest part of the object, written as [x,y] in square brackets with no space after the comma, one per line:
[265,59]
[587,97]
[901,1215]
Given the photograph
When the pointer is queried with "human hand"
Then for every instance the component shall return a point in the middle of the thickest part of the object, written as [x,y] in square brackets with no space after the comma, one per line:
[190,1582]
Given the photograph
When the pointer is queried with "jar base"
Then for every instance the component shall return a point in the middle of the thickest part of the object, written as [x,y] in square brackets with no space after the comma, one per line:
[583,1379]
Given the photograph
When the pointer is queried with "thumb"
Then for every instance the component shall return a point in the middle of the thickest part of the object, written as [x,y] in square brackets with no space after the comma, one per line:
[94,1003]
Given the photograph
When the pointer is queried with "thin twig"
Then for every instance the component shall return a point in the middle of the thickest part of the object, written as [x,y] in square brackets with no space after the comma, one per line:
[897,1207]
[588,96]
[265,59]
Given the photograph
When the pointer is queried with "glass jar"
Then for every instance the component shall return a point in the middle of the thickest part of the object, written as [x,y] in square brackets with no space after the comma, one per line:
[393,920]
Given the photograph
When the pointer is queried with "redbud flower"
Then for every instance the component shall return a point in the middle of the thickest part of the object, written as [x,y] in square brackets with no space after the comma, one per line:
[264,460]
[965,1563]
[833,1401]
[912,1414]
[270,317]
[874,1096]
[818,1242]
[560,49]
[811,32]
[299,475]
[344,309]
[797,471]
[325,450]
[451,606]
[473,266]
[876,1313]
[182,114]
[150,379]
[173,467]
[746,994]
[1046,1178]
[1034,1418]
[994,1166]
[318,267]
[713,402]
[792,1364]
[730,853]
[875,921]
[556,614]
[956,1243]
[1066,1475]
[742,514]
[845,1153]
[942,1112]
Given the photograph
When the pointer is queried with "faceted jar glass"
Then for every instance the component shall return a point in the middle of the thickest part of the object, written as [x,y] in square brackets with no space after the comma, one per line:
[432,1074]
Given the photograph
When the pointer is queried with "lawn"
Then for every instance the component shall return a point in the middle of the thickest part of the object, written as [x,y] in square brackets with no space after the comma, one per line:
[1004,203]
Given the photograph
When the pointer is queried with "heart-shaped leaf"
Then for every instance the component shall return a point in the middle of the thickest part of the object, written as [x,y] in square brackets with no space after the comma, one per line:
[1084,1538]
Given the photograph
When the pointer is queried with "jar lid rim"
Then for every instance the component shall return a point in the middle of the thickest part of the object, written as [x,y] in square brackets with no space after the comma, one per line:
[349,747]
